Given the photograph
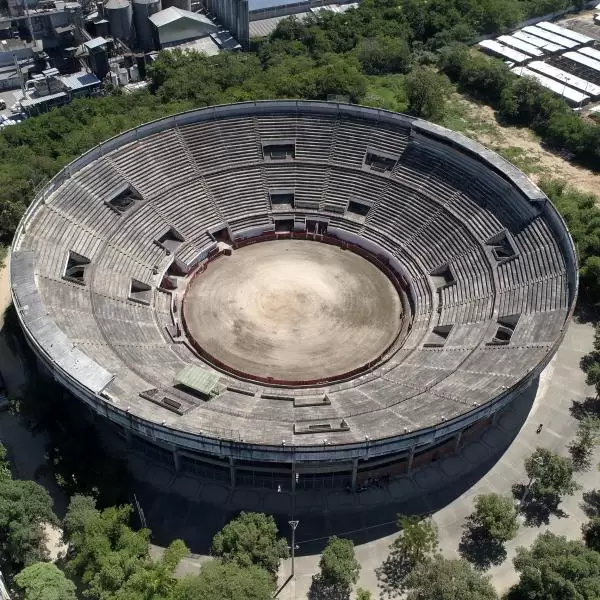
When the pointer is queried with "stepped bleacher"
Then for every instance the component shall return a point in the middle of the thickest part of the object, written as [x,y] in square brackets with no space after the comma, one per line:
[474,247]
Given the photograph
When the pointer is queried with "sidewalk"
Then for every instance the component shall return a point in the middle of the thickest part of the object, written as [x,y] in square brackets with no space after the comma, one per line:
[560,384]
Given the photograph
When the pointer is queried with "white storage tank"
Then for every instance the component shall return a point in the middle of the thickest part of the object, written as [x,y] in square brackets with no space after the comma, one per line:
[120,16]
[134,73]
[142,9]
[123,76]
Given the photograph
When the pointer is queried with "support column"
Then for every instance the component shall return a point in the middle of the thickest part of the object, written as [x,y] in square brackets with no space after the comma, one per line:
[231,472]
[354,473]
[176,460]
[495,417]
[293,476]
[411,457]
[457,441]
[128,436]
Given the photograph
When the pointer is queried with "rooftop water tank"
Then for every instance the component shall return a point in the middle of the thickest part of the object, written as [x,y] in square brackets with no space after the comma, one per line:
[120,16]
[142,9]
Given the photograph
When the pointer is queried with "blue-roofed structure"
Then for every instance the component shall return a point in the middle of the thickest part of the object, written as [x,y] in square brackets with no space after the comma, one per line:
[268,5]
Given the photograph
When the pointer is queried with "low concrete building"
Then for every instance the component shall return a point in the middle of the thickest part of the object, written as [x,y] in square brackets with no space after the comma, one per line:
[50,89]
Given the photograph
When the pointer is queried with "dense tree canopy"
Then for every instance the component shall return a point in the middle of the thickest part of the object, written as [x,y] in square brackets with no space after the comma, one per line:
[555,568]
[552,475]
[225,581]
[442,579]
[251,539]
[339,567]
[418,539]
[496,515]
[44,581]
[111,560]
[25,508]
[426,92]
[591,533]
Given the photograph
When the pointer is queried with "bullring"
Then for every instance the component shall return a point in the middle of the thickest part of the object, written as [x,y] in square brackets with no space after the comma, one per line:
[109,254]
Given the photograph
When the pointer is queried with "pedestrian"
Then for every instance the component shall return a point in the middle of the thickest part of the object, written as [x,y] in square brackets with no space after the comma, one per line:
[539,429]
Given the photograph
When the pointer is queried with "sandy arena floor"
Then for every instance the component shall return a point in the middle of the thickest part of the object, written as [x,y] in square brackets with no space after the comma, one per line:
[293,310]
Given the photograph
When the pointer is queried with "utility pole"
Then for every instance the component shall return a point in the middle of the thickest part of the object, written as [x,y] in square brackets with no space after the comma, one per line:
[293,525]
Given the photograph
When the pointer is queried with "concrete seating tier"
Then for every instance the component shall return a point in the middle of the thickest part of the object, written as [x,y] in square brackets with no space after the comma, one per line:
[221,145]
[434,204]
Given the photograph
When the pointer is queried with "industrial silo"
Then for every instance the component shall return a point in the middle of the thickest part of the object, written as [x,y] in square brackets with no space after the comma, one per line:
[142,9]
[120,17]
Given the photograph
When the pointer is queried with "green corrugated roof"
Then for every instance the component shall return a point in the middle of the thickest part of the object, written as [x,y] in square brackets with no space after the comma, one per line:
[198,379]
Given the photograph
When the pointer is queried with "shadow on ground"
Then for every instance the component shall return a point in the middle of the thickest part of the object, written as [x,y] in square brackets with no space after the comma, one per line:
[392,574]
[480,549]
[537,510]
[321,591]
[365,517]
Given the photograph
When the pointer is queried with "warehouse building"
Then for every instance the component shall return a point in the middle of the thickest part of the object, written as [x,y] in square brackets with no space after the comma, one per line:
[247,19]
[174,26]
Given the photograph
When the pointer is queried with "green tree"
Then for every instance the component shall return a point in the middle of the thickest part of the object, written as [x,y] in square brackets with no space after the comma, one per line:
[25,508]
[591,533]
[362,594]
[442,579]
[426,92]
[44,581]
[555,568]
[339,567]
[552,476]
[382,54]
[4,464]
[487,528]
[80,510]
[251,539]
[586,440]
[107,552]
[226,581]
[418,540]
[154,580]
[496,515]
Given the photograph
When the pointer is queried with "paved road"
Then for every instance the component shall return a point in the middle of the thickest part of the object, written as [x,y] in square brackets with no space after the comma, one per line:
[560,384]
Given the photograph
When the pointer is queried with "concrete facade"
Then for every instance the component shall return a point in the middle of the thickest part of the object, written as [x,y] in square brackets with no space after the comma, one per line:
[447,378]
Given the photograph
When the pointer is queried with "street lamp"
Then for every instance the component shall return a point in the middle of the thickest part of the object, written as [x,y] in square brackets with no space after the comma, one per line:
[293,525]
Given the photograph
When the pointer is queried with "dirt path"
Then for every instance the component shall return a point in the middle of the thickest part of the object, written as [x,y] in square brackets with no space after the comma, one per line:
[519,145]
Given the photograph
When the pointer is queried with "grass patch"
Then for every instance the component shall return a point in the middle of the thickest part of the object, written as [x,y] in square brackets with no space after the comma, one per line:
[521,159]
[459,116]
[386,91]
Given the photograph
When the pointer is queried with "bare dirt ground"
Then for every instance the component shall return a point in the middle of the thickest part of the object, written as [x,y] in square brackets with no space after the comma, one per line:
[293,310]
[519,145]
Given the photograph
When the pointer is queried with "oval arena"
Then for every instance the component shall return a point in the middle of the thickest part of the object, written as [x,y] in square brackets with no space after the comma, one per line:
[294,294]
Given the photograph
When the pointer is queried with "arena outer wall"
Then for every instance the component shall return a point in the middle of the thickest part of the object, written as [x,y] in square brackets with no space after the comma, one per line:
[346,458]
